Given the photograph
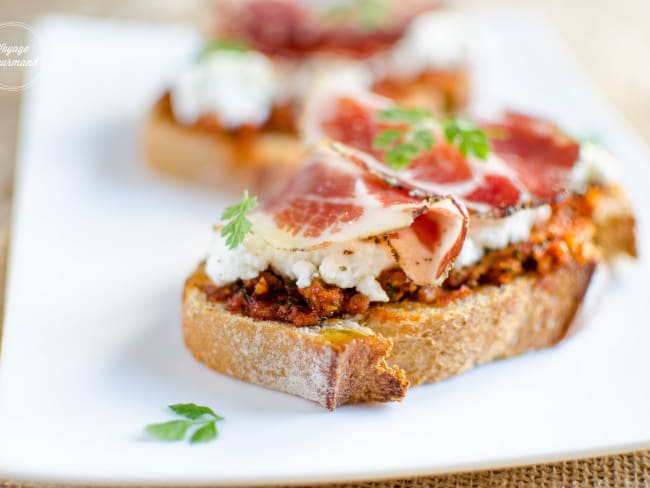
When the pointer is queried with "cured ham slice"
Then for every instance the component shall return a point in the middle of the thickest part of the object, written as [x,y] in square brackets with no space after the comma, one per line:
[530,162]
[538,151]
[294,28]
[336,198]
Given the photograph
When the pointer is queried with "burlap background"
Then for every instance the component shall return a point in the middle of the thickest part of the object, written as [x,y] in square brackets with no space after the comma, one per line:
[610,40]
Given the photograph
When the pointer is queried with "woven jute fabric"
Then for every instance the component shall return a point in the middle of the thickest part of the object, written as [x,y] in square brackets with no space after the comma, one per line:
[610,39]
[623,471]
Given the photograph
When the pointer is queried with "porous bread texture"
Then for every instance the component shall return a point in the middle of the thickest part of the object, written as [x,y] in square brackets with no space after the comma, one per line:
[375,356]
[614,221]
[431,343]
[218,160]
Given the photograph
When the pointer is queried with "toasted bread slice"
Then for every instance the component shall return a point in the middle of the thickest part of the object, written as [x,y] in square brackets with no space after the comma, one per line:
[614,221]
[375,356]
[260,164]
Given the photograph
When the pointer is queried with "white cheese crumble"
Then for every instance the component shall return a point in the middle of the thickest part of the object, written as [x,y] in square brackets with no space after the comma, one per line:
[300,78]
[595,165]
[237,87]
[491,234]
[347,265]
[433,40]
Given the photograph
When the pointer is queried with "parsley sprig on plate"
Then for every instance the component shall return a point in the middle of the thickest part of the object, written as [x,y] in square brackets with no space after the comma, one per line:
[410,133]
[201,419]
[238,226]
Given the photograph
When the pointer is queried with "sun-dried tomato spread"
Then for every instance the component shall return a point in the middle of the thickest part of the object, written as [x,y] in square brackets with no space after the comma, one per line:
[281,119]
[270,297]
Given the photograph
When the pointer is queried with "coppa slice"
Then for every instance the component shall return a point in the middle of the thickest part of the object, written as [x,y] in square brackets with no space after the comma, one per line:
[336,200]
[530,163]
[340,27]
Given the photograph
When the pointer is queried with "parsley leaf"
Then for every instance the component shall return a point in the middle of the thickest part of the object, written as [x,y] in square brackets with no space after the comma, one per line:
[386,138]
[195,416]
[408,115]
[174,430]
[235,230]
[216,45]
[374,13]
[205,433]
[192,411]
[410,136]
[402,155]
[410,133]
[424,139]
[467,137]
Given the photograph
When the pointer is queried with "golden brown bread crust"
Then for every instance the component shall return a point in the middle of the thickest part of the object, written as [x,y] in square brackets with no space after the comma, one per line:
[614,220]
[431,344]
[215,159]
[347,361]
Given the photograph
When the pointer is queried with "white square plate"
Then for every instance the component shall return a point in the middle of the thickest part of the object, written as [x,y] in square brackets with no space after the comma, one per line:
[100,248]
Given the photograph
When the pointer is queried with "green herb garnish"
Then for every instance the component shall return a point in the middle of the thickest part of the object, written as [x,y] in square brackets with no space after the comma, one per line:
[202,419]
[467,137]
[216,45]
[411,133]
[235,230]
[371,13]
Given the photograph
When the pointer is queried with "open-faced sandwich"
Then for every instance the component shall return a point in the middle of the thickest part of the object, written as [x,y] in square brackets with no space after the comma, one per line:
[407,249]
[231,118]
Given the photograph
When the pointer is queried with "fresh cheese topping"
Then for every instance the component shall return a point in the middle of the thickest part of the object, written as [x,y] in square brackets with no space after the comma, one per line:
[433,41]
[238,88]
[595,165]
[303,76]
[484,234]
[353,264]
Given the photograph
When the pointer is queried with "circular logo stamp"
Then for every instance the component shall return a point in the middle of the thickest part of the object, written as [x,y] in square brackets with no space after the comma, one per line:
[19,56]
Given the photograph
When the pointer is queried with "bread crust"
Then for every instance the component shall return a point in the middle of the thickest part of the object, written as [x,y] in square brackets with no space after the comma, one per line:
[615,224]
[217,160]
[374,357]
[431,344]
